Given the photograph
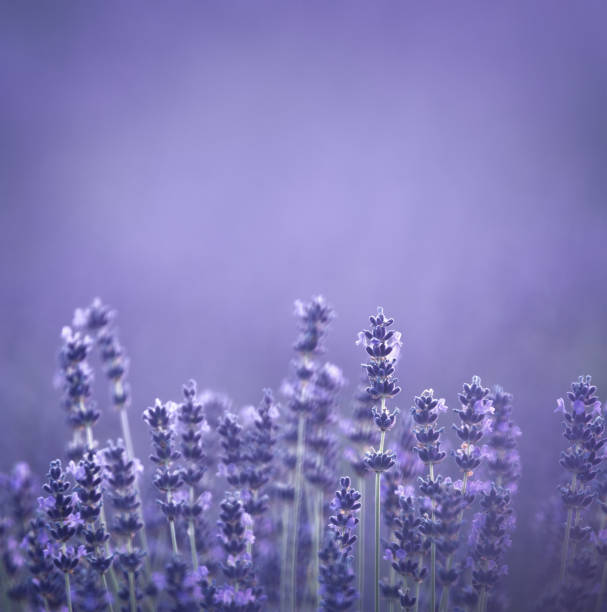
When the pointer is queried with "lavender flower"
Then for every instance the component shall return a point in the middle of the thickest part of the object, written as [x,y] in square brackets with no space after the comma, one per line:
[168,478]
[121,478]
[191,416]
[382,346]
[424,414]
[313,320]
[407,550]
[583,428]
[490,536]
[241,591]
[336,575]
[503,460]
[48,588]
[473,414]
[75,380]
[63,522]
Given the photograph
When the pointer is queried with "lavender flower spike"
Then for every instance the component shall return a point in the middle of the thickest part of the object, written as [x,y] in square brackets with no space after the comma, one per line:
[382,346]
[63,522]
[336,576]
[168,479]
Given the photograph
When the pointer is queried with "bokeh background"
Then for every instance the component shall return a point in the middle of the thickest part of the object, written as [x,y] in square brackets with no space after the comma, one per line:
[199,165]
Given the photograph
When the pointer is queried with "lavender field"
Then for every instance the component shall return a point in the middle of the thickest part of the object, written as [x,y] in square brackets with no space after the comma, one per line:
[303,306]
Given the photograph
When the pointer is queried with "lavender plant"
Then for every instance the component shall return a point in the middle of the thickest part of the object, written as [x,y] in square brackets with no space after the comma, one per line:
[382,346]
[336,576]
[445,536]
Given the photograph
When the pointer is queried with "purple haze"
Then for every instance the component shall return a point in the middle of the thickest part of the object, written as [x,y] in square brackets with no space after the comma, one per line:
[199,166]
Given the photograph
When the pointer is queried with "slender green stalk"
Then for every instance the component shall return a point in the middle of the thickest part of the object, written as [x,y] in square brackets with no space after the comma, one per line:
[565,551]
[361,546]
[192,534]
[417,587]
[301,430]
[173,537]
[377,533]
[107,590]
[317,520]
[378,514]
[601,594]
[68,592]
[482,599]
[432,555]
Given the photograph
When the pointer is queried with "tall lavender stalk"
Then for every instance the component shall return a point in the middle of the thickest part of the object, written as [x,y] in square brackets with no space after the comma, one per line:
[121,477]
[583,427]
[191,416]
[382,346]
[361,434]
[313,319]
[425,413]
[336,576]
[89,478]
[167,479]
[63,522]
[407,550]
[475,408]
[490,538]
[76,378]
[98,320]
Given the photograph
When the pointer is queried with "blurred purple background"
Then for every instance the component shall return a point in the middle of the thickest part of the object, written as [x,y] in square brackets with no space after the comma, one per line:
[201,165]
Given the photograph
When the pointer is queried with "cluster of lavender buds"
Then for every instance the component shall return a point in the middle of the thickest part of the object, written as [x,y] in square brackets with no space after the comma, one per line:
[75,378]
[89,477]
[63,522]
[98,320]
[502,457]
[407,553]
[490,538]
[382,346]
[336,576]
[168,477]
[121,478]
[190,414]
[240,591]
[424,414]
[583,428]
[473,413]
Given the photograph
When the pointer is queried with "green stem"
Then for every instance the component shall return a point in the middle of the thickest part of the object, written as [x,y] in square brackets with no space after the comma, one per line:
[301,430]
[432,554]
[68,592]
[377,534]
[317,519]
[107,590]
[599,599]
[417,587]
[173,537]
[361,546]
[481,599]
